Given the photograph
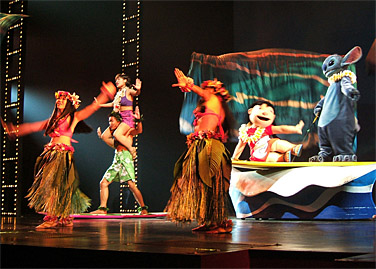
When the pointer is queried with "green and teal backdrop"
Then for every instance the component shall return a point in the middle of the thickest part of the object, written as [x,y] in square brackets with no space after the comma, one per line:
[292,80]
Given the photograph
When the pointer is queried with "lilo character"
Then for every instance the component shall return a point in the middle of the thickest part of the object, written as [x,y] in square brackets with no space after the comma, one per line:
[258,135]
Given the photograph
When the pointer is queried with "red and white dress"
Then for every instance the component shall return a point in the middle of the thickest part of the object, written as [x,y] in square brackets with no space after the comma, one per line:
[259,140]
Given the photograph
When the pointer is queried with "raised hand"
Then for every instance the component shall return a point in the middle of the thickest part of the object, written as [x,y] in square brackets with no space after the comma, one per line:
[9,129]
[138,84]
[183,81]
[136,113]
[99,132]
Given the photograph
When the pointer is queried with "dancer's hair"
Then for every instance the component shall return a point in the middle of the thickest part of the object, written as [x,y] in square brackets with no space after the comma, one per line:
[127,78]
[116,115]
[53,122]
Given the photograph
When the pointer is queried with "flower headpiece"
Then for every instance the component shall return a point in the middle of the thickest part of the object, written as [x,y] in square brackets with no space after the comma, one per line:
[218,88]
[116,115]
[74,98]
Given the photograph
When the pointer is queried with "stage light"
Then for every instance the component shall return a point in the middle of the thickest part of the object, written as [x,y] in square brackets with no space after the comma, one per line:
[34,96]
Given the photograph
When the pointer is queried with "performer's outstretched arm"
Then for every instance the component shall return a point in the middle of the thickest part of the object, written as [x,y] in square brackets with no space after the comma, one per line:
[186,84]
[108,90]
[24,128]
[288,129]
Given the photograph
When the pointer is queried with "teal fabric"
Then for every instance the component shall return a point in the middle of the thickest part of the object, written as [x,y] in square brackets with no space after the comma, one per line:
[291,80]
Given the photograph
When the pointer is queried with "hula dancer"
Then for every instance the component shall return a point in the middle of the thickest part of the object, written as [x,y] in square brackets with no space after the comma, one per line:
[55,189]
[202,173]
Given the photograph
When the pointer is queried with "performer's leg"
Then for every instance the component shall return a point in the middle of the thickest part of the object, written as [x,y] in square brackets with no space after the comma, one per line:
[121,136]
[106,134]
[326,151]
[104,193]
[138,196]
[342,141]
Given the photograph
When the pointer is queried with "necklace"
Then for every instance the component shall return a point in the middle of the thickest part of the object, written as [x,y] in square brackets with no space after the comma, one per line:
[120,94]
[245,137]
[340,75]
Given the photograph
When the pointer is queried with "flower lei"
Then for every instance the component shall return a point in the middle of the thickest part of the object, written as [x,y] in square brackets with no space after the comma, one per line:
[120,94]
[59,147]
[74,98]
[199,135]
[338,76]
[245,137]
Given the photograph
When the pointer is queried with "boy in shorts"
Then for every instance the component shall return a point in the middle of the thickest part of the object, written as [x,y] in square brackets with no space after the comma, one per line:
[122,167]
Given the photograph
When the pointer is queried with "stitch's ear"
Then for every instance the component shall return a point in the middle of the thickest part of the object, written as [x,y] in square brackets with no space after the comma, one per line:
[352,56]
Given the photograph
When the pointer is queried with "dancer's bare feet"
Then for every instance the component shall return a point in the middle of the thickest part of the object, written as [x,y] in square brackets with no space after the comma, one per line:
[100,210]
[66,222]
[225,227]
[49,222]
[47,225]
[200,228]
[219,230]
[143,210]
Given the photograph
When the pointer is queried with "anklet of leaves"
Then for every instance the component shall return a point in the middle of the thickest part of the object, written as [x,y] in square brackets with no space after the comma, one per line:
[142,208]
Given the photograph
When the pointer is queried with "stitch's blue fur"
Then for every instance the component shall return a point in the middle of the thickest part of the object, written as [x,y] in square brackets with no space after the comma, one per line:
[337,126]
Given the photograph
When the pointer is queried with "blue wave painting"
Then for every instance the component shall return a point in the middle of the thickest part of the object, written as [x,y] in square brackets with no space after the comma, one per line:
[305,193]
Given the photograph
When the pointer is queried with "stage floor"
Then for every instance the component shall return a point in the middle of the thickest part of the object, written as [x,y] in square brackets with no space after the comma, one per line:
[257,243]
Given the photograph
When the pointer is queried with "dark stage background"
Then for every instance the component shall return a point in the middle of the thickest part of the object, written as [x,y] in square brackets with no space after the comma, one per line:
[74,45]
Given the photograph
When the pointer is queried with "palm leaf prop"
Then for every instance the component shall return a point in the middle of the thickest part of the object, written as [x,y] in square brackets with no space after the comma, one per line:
[7,20]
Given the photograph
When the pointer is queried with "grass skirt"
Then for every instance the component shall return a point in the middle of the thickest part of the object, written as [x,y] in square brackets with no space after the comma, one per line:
[55,188]
[200,189]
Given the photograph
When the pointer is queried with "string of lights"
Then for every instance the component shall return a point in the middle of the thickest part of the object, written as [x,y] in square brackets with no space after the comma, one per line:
[130,24]
[12,101]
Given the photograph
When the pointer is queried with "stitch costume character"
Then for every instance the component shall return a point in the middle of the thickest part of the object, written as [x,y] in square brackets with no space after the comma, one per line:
[257,133]
[337,125]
